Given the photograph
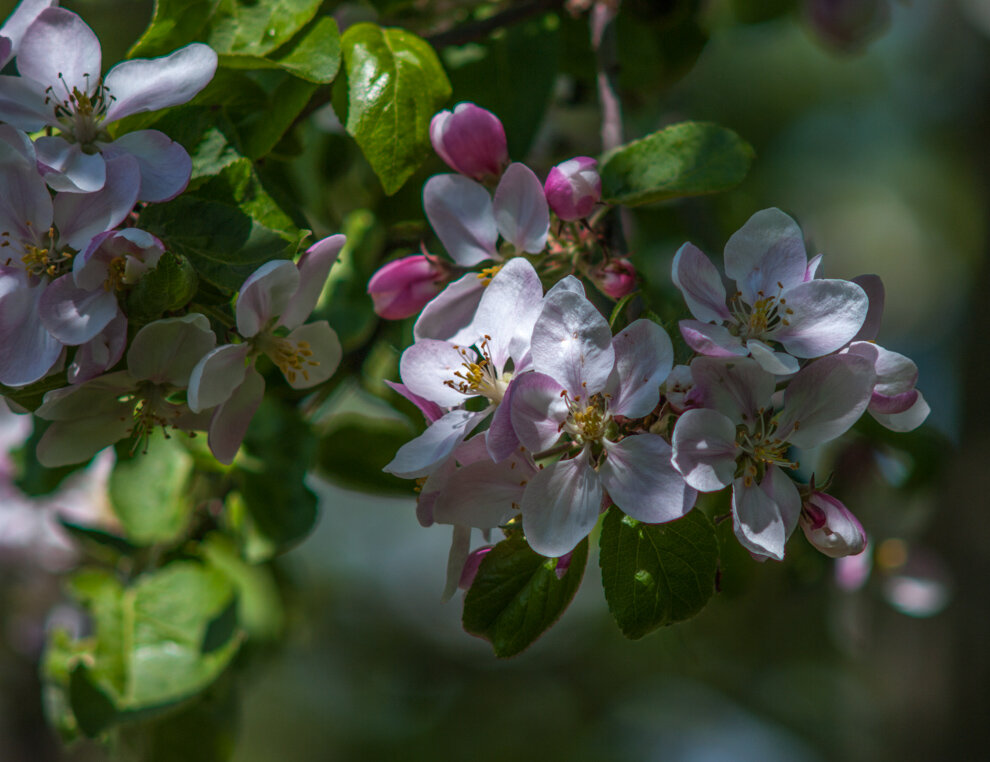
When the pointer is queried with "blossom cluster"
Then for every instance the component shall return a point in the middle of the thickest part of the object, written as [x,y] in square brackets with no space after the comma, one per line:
[539,417]
[71,252]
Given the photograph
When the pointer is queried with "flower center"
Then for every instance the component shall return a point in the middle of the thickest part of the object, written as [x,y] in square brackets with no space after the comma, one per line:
[80,113]
[761,317]
[293,358]
[115,274]
[487,273]
[479,376]
[587,422]
[40,257]
[761,448]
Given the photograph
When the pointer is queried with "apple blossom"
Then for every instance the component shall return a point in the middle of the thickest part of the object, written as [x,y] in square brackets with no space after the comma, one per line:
[471,140]
[402,287]
[573,188]
[831,527]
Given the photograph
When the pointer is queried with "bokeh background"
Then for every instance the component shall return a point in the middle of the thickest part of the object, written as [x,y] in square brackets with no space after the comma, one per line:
[882,154]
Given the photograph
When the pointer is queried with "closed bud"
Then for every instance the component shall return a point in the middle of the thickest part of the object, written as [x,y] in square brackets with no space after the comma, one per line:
[616,278]
[402,287]
[831,527]
[573,188]
[471,140]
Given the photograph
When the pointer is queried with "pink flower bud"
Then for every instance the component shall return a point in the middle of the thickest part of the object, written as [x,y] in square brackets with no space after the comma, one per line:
[471,140]
[616,278]
[831,527]
[471,566]
[402,287]
[573,188]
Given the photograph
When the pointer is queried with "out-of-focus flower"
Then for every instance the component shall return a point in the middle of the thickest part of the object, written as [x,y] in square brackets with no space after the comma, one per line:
[847,25]
[573,188]
[16,24]
[471,141]
[615,278]
[831,527]
[402,287]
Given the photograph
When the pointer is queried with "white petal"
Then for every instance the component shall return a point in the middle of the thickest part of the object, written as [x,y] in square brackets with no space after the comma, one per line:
[60,50]
[231,420]
[642,481]
[536,409]
[167,350]
[561,505]
[766,253]
[68,168]
[460,211]
[215,377]
[738,388]
[508,311]
[704,449]
[428,365]
[759,522]
[483,495]
[164,165]
[265,295]
[521,211]
[73,315]
[321,341]
[778,363]
[449,314]
[314,267]
[150,84]
[644,356]
[572,344]
[67,442]
[427,451]
[700,284]
[79,217]
[29,350]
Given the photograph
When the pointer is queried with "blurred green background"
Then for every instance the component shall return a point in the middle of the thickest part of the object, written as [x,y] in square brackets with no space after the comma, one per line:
[882,155]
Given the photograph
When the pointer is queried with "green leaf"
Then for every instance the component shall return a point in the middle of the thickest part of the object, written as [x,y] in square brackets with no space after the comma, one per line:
[168,287]
[148,492]
[259,604]
[686,159]
[174,23]
[517,595]
[226,228]
[148,648]
[395,86]
[93,709]
[316,58]
[657,574]
[257,28]
[261,129]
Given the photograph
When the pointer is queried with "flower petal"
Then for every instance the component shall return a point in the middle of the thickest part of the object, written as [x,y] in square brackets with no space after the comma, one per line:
[700,284]
[460,549]
[143,84]
[97,397]
[508,311]
[824,399]
[430,410]
[520,207]
[561,505]
[23,104]
[644,357]
[80,217]
[711,340]
[449,314]
[759,522]
[76,441]
[25,205]
[66,167]
[778,363]
[572,343]
[216,376]
[29,350]
[166,351]
[738,389]
[827,314]
[314,267]
[265,295]
[704,449]
[483,494]
[907,420]
[765,254]
[163,164]
[460,211]
[100,353]
[642,481]
[231,420]
[501,438]
[536,409]
[61,51]
[427,451]
[428,365]
[73,315]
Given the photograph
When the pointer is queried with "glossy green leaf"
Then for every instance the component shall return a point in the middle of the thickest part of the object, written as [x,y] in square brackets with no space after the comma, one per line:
[259,604]
[686,159]
[257,28]
[174,23]
[315,58]
[517,594]
[657,574]
[167,288]
[395,86]
[148,492]
[226,228]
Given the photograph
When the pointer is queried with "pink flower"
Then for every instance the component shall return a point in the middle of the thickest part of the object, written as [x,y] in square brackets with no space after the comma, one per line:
[573,188]
[471,140]
[615,278]
[402,287]
[831,527]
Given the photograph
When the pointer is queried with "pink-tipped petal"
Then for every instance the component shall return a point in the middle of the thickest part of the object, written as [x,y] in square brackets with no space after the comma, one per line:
[314,267]
[826,315]
[265,295]
[711,340]
[765,254]
[460,212]
[700,284]
[216,376]
[644,356]
[430,409]
[449,314]
[164,165]
[537,410]
[73,315]
[231,420]
[60,51]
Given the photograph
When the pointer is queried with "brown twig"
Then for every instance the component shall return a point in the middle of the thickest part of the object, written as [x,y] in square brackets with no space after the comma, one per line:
[478,30]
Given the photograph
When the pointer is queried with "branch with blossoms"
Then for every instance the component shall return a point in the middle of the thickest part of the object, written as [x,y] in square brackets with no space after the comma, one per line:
[184,340]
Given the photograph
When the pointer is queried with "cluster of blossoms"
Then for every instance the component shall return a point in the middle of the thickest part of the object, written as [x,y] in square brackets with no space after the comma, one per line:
[70,253]
[539,417]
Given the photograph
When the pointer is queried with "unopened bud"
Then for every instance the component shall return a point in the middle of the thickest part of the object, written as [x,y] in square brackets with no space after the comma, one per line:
[831,527]
[401,288]
[616,278]
[471,140]
[573,188]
